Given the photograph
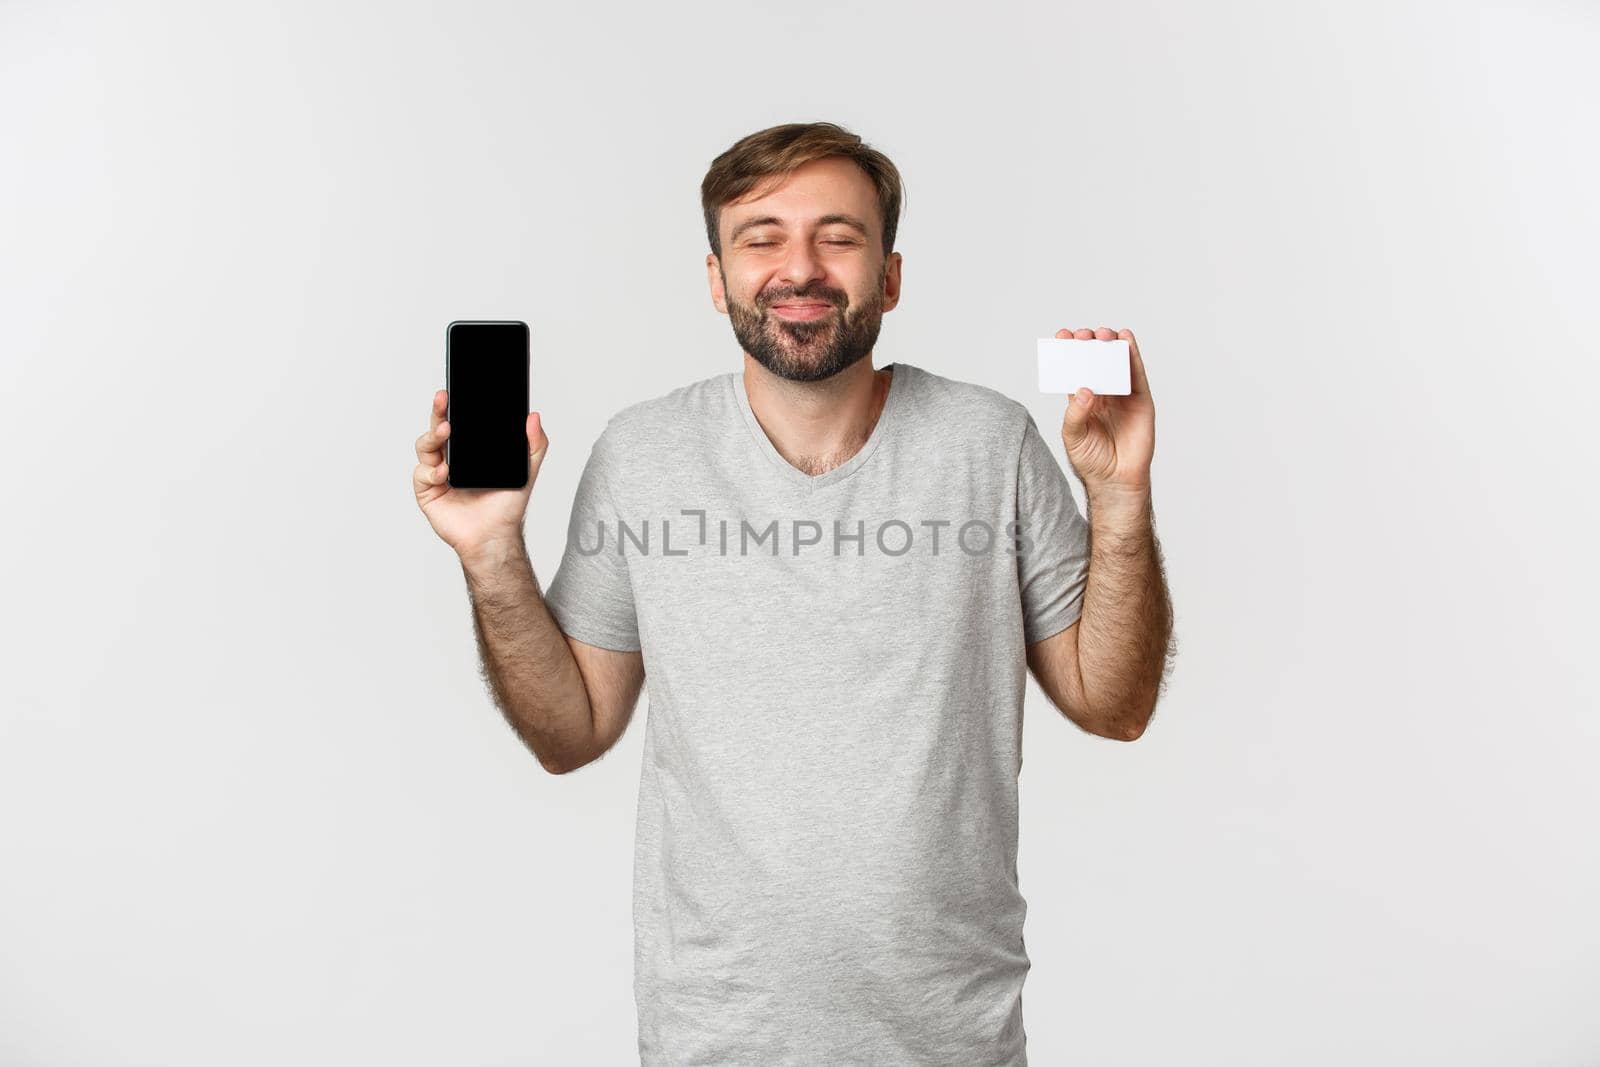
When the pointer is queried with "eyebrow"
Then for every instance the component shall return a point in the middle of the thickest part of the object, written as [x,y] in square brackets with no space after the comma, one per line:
[773,220]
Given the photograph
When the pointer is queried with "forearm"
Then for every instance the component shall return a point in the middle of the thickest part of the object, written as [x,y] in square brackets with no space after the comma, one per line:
[1126,625]
[525,657]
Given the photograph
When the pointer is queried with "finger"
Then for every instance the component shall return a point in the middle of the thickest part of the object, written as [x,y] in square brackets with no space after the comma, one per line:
[1064,335]
[1141,384]
[1105,333]
[430,445]
[537,441]
[1085,334]
[428,475]
[1075,423]
[441,403]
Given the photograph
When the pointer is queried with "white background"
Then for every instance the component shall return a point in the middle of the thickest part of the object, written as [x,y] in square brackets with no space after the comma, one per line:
[255,804]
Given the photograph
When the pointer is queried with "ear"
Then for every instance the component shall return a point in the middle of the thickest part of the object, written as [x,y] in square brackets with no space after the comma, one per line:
[891,281]
[719,295]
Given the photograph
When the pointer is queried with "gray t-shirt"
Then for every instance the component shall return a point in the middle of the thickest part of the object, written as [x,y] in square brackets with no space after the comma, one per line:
[825,855]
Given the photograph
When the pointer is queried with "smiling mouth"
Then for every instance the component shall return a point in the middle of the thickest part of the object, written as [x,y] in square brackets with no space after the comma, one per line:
[811,310]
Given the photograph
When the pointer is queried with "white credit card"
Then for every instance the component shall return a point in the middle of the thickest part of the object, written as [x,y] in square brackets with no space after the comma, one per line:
[1068,364]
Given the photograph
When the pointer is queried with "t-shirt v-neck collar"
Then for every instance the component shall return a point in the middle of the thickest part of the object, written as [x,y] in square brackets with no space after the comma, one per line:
[794,475]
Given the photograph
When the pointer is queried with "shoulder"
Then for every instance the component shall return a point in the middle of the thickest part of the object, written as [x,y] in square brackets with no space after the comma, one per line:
[672,411]
[666,423]
[981,412]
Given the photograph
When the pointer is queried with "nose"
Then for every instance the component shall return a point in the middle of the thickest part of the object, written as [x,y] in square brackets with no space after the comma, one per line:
[802,265]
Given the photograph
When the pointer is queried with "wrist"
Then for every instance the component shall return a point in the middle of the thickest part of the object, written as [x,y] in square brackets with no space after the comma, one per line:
[1118,501]
[1118,492]
[493,554]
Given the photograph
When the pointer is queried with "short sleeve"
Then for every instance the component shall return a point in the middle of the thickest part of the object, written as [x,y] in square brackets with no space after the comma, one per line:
[591,597]
[1053,541]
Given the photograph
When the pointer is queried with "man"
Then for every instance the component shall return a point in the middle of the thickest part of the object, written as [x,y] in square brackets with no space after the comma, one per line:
[836,579]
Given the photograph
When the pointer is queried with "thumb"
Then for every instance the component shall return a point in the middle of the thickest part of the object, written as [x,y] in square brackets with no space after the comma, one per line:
[538,443]
[1075,424]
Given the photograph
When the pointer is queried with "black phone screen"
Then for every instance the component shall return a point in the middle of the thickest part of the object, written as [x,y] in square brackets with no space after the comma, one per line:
[486,377]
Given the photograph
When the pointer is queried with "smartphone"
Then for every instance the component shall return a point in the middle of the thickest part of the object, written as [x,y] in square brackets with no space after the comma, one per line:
[486,367]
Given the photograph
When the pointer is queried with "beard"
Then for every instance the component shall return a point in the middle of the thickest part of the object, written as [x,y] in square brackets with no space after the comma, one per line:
[807,350]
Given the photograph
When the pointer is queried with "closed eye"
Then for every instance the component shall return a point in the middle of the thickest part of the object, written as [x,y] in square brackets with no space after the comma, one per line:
[765,244]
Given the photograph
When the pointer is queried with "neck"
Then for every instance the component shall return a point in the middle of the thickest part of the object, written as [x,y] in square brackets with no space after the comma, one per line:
[817,426]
